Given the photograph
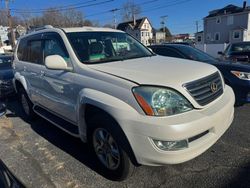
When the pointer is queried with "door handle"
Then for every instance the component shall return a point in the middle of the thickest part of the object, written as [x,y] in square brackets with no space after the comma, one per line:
[42,73]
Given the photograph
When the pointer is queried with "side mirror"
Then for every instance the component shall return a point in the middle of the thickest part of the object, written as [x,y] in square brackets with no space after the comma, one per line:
[150,50]
[220,53]
[2,109]
[56,62]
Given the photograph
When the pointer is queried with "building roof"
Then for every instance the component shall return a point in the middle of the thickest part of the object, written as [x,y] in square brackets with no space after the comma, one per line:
[123,26]
[229,9]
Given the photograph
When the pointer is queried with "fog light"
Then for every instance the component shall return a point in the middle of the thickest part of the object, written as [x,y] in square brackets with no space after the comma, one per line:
[171,145]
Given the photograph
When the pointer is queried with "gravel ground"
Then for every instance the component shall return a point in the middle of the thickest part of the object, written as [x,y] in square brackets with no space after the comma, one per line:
[41,155]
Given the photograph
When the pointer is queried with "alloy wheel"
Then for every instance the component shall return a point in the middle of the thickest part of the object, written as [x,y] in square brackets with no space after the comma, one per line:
[106,149]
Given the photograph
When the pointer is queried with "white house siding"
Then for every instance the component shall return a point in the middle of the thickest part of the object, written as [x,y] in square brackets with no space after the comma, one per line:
[146,29]
[211,49]
[3,34]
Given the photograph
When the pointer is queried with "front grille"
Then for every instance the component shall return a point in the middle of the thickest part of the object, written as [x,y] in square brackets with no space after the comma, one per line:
[205,90]
[5,84]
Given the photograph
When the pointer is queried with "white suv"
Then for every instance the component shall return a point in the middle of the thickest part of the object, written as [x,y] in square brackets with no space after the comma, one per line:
[132,106]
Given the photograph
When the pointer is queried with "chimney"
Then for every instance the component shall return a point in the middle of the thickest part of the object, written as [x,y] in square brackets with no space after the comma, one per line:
[244,5]
[134,20]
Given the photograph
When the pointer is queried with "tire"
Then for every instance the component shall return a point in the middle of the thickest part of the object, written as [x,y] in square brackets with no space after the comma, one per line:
[27,105]
[107,142]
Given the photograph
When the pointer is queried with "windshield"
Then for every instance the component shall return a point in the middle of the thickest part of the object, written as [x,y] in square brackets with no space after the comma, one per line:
[195,54]
[240,47]
[99,47]
[5,62]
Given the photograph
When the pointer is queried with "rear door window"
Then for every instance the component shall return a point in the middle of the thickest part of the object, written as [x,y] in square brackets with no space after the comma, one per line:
[35,52]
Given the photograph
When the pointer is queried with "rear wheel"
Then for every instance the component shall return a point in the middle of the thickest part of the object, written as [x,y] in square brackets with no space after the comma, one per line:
[106,143]
[26,104]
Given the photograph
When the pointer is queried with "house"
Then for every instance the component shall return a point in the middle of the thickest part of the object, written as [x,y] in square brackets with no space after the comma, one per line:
[181,37]
[158,36]
[199,37]
[141,29]
[3,35]
[226,25]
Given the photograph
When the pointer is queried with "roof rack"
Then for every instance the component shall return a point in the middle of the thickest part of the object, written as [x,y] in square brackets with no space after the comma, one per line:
[44,27]
[39,28]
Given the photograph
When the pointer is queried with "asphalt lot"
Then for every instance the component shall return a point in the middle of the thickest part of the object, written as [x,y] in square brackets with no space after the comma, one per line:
[41,155]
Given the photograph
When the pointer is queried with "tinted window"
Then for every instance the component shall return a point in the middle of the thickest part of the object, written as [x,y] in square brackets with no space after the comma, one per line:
[240,47]
[167,52]
[53,47]
[195,54]
[22,50]
[35,53]
[97,47]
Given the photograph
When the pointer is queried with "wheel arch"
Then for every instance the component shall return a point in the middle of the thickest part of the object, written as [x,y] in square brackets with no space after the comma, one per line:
[91,103]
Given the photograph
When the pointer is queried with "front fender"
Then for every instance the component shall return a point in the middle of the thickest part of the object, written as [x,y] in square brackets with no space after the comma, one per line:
[18,77]
[110,104]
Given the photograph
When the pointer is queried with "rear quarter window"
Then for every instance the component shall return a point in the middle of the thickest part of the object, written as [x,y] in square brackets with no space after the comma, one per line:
[22,50]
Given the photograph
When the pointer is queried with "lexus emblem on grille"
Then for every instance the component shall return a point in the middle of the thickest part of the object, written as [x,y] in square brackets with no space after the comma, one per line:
[213,87]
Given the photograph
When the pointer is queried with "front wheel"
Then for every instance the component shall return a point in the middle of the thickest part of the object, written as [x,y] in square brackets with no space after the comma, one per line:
[113,160]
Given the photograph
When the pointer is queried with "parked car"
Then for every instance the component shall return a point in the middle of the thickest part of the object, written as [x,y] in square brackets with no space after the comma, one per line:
[183,43]
[2,109]
[239,51]
[132,106]
[6,76]
[237,75]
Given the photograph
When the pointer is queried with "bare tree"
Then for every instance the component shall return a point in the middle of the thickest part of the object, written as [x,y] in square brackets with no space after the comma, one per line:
[130,10]
[52,16]
[72,18]
[3,18]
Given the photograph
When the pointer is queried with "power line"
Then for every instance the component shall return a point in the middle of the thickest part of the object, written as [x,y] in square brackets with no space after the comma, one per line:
[65,6]
[63,9]
[178,2]
[118,9]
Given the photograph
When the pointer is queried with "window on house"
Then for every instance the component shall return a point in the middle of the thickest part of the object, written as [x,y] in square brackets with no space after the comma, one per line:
[218,20]
[199,38]
[236,35]
[217,36]
[142,34]
[230,20]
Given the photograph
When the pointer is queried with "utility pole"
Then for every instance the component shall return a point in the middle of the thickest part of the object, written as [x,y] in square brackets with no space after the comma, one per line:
[114,16]
[163,22]
[12,35]
[197,26]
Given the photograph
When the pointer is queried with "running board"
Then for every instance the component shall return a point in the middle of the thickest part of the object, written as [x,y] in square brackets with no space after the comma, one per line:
[59,122]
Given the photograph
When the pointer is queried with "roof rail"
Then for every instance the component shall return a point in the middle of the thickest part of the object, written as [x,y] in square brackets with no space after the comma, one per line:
[43,27]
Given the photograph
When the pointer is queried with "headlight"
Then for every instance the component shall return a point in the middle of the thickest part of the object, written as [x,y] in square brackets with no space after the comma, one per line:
[241,75]
[157,101]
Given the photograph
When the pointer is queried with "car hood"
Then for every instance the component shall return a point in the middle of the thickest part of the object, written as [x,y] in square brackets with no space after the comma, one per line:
[157,70]
[240,53]
[6,74]
[239,65]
